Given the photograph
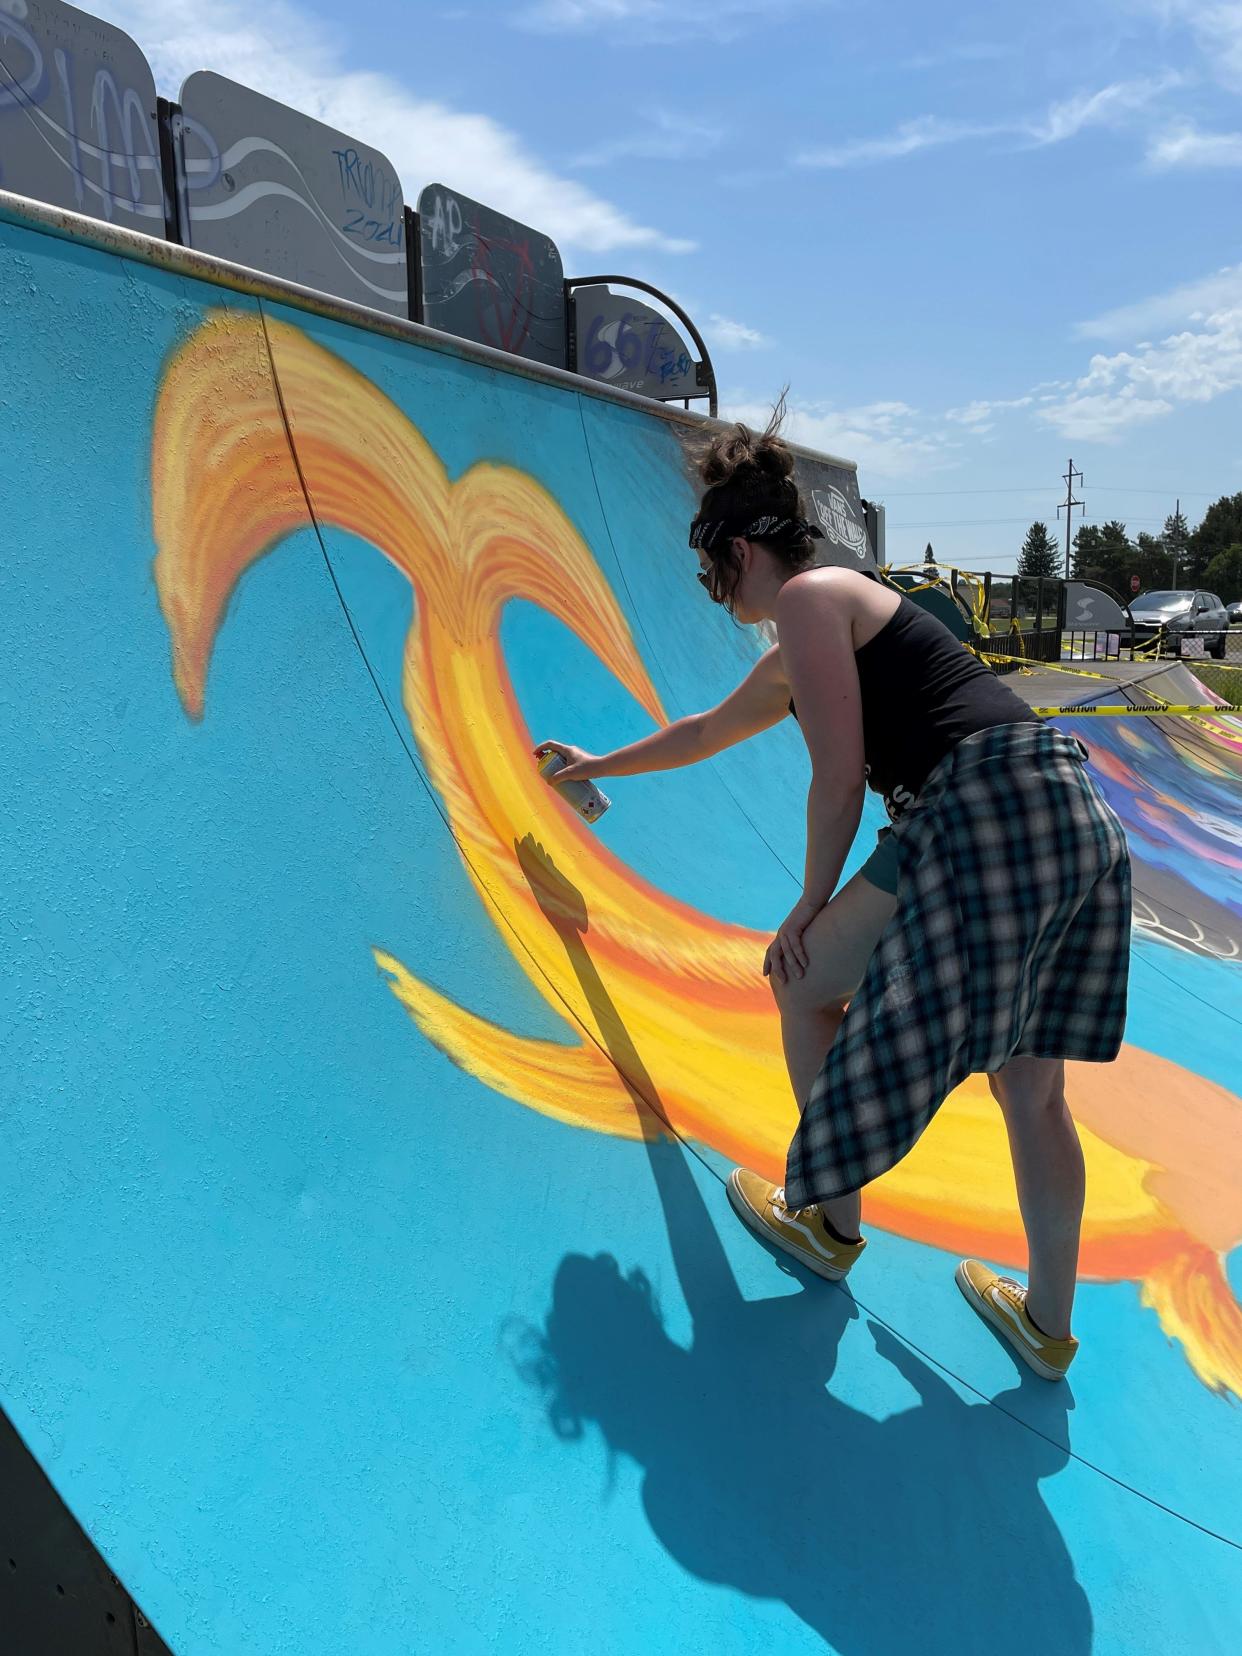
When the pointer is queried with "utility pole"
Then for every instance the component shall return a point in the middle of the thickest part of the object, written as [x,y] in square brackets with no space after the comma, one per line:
[1177,548]
[1068,508]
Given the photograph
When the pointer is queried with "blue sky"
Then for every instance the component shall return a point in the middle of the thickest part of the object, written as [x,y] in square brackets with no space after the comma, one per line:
[974,240]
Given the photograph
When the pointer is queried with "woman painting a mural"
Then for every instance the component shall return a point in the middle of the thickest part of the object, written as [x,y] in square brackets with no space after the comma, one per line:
[987,934]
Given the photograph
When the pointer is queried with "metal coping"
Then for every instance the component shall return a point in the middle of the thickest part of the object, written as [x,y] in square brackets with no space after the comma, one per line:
[206,267]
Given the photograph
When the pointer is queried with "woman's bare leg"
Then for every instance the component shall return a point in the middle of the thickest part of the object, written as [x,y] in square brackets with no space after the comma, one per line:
[1051,1179]
[839,942]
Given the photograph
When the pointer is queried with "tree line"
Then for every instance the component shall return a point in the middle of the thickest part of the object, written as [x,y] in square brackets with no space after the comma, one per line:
[1208,556]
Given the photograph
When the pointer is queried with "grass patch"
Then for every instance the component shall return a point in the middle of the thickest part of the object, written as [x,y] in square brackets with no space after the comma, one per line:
[1225,681]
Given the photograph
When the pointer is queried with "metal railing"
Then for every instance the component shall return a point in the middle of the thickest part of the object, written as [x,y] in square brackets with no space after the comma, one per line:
[1204,642]
[1015,619]
[1033,636]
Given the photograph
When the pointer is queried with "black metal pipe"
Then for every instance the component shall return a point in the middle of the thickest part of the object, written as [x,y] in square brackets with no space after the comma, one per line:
[414,264]
[166,114]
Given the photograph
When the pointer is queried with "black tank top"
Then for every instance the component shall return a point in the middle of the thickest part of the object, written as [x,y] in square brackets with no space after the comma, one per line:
[922,693]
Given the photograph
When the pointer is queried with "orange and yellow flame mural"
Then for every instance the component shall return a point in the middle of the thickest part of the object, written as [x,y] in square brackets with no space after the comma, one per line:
[1163,1153]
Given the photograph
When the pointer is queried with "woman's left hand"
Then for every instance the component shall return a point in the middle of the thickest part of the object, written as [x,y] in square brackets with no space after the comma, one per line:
[786,956]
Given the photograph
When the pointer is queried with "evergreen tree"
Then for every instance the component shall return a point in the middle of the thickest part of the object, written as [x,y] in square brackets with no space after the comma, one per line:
[1039,554]
[1085,558]
[1223,575]
[1221,528]
[1118,557]
[1105,553]
[1153,565]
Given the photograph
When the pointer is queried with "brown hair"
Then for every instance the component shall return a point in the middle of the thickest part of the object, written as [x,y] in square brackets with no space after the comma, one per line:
[750,476]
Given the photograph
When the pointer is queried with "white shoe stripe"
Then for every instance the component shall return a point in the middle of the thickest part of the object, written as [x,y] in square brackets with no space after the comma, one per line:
[1014,1318]
[786,1217]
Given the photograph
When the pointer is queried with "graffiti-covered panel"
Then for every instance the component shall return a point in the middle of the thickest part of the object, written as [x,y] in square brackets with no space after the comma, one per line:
[631,347]
[77,115]
[268,187]
[491,279]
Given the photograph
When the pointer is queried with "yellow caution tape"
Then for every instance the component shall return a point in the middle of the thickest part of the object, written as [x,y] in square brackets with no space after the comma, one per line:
[1185,710]
[1032,666]
[942,583]
[1151,650]
[1155,708]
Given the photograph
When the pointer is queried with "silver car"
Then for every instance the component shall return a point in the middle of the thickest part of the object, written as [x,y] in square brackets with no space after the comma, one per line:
[1181,614]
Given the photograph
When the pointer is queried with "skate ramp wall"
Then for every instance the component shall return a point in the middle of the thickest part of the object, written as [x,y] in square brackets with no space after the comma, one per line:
[369,1272]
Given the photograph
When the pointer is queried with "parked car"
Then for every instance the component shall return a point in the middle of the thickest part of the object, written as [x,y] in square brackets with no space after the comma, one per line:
[1234,612]
[1189,612]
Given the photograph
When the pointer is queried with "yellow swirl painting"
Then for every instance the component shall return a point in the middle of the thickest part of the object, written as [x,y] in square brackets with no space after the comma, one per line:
[1163,1152]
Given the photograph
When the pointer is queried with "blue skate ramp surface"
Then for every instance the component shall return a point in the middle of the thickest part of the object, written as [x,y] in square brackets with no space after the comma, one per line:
[357,1293]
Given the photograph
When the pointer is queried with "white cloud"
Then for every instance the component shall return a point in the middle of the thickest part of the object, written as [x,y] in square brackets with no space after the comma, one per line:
[1193,366]
[727,335]
[287,54]
[1186,145]
[975,413]
[1103,418]
[1106,107]
[1111,106]
[643,21]
[925,132]
[1189,302]
[1217,29]
[1197,362]
[665,137]
[887,439]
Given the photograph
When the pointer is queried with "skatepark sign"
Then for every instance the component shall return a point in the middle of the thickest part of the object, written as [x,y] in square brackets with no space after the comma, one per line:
[839,524]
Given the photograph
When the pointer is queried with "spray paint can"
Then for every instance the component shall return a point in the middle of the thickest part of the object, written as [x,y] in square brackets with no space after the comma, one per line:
[584,797]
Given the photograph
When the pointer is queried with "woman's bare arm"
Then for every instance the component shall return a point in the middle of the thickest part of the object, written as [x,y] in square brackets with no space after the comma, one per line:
[760,701]
[815,618]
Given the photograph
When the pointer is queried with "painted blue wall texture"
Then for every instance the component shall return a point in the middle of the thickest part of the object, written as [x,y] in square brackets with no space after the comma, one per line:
[355,1297]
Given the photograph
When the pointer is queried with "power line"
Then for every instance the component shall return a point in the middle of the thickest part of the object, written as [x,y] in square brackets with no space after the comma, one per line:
[960,523]
[911,494]
[1039,488]
[1200,494]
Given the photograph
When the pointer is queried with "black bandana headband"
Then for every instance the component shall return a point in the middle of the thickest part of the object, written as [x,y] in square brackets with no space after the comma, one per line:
[790,531]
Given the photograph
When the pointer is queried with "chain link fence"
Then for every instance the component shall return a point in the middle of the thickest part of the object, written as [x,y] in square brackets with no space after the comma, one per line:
[1190,644]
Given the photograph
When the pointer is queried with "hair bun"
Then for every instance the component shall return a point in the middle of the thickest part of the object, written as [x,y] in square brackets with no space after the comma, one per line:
[739,450]
[773,457]
[727,453]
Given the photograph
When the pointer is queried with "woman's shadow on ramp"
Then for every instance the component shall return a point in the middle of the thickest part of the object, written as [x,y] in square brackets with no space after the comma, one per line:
[922,1531]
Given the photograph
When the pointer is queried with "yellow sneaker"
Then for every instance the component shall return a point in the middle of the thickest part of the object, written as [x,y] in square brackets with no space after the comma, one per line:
[799,1231]
[1001,1301]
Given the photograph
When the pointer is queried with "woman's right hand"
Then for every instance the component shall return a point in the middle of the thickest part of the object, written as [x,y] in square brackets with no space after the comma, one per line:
[579,764]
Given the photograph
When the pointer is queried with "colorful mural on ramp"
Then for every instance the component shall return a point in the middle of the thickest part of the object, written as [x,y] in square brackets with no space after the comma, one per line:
[399,1274]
